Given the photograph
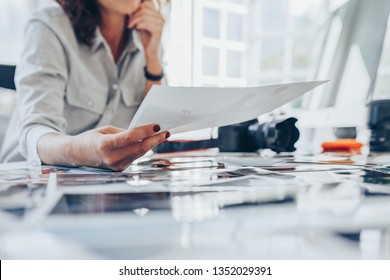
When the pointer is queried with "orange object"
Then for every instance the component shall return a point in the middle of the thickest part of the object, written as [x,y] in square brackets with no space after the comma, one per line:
[342,145]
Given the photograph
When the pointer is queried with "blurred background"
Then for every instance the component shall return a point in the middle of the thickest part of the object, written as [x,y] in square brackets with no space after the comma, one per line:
[240,43]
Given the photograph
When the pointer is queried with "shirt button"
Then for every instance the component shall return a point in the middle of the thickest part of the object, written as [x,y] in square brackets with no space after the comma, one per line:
[115,86]
[90,103]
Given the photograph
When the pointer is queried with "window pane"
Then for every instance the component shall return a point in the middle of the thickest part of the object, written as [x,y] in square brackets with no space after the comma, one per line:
[301,53]
[211,19]
[274,15]
[210,61]
[235,27]
[233,64]
[272,54]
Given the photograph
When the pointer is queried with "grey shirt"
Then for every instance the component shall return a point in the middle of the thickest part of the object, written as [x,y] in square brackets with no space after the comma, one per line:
[67,87]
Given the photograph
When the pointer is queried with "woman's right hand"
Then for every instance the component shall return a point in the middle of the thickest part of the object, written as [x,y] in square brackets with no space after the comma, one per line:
[106,147]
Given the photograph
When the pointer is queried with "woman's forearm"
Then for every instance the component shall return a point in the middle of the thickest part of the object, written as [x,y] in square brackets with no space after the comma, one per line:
[105,147]
[55,148]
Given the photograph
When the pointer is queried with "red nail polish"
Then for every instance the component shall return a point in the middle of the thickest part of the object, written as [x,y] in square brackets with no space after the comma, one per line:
[156,128]
[167,135]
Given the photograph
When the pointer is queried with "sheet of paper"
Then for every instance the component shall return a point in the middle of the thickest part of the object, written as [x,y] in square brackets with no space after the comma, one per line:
[182,109]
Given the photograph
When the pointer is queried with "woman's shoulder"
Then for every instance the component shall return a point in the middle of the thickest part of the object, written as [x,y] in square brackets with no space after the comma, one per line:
[49,11]
[52,15]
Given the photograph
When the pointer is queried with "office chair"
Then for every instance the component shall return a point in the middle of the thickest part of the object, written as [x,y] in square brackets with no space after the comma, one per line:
[7,73]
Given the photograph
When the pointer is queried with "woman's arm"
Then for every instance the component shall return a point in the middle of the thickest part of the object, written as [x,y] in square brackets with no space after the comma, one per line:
[105,147]
[41,81]
[41,78]
[150,23]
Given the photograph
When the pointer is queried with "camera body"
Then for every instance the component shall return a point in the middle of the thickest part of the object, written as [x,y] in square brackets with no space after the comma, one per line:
[249,136]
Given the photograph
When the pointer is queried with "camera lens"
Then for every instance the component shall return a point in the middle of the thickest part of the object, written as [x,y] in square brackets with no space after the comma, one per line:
[279,135]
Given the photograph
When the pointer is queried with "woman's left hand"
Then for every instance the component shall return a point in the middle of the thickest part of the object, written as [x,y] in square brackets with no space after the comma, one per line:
[151,23]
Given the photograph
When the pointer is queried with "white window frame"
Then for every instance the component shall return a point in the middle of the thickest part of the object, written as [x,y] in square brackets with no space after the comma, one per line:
[222,44]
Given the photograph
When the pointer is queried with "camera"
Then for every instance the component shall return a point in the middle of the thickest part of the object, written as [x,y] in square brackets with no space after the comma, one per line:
[379,124]
[250,136]
[279,136]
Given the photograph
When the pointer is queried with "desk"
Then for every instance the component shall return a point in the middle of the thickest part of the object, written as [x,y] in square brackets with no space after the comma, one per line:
[197,207]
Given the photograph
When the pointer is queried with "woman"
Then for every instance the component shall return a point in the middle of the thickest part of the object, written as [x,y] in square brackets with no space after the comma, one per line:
[85,68]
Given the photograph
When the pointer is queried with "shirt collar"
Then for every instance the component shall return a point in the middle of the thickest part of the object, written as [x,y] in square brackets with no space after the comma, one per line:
[98,40]
[133,41]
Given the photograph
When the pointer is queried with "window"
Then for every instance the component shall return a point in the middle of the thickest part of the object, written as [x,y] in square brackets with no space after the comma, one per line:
[219,42]
[211,22]
[252,41]
[282,39]
[210,61]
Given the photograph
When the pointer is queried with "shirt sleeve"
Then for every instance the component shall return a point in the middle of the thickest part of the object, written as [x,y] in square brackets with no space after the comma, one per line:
[41,79]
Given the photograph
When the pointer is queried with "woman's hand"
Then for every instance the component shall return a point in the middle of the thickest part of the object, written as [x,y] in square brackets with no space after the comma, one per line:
[106,147]
[150,23]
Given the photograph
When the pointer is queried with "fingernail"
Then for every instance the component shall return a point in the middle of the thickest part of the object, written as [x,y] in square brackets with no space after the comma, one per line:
[156,128]
[167,135]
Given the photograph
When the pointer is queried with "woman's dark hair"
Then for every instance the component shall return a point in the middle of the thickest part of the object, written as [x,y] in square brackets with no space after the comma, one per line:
[85,17]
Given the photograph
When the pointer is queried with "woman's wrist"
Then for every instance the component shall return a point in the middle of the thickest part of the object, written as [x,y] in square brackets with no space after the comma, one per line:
[81,149]
[70,153]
